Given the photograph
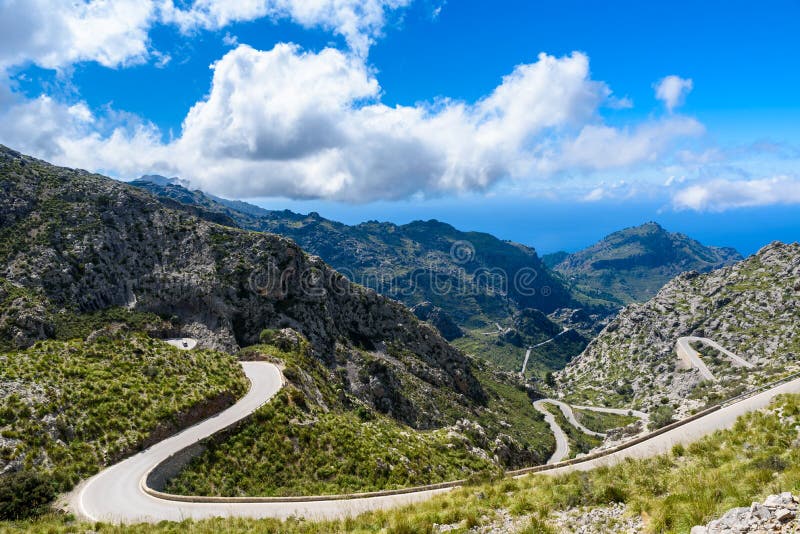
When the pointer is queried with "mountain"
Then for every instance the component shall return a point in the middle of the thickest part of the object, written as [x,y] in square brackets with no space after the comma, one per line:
[86,260]
[471,280]
[631,265]
[554,258]
[474,276]
[749,308]
[87,243]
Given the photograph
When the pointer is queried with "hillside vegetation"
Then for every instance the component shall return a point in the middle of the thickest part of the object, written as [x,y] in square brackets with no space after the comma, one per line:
[67,408]
[749,308]
[668,494]
[313,438]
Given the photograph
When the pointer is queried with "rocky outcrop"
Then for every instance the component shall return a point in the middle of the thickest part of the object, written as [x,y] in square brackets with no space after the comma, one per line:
[616,519]
[748,308]
[88,243]
[578,319]
[778,513]
[24,317]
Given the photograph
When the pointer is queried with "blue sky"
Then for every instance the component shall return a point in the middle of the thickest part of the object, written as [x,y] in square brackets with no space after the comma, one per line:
[680,112]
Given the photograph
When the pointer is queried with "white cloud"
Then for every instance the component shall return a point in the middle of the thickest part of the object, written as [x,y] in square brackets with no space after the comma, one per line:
[599,147]
[672,90]
[595,195]
[71,135]
[360,22]
[721,195]
[620,103]
[286,122]
[230,40]
[310,124]
[55,34]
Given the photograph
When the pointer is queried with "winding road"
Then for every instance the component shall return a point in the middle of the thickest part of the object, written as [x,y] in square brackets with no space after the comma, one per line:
[120,494]
[117,494]
[684,434]
[562,443]
[691,358]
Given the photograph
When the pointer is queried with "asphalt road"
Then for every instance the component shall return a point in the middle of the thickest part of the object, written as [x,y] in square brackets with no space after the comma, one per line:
[183,343]
[566,409]
[616,411]
[562,444]
[528,353]
[116,495]
[690,432]
[691,357]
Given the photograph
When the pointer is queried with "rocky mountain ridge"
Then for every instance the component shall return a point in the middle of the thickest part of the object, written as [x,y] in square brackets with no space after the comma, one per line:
[631,265]
[412,262]
[463,283]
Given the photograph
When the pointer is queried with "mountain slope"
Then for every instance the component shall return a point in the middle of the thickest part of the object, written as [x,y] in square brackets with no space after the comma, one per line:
[475,278]
[82,254]
[89,243]
[633,264]
[472,275]
[749,308]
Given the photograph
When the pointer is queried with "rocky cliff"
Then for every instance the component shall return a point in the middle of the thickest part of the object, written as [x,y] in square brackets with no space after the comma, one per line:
[412,262]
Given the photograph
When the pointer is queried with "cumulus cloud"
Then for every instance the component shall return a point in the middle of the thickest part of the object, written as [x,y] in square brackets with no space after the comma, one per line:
[360,22]
[288,122]
[70,134]
[230,40]
[311,124]
[604,147]
[672,90]
[721,195]
[55,34]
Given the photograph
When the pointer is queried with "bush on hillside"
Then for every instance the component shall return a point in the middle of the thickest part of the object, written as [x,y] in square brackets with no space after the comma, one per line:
[24,494]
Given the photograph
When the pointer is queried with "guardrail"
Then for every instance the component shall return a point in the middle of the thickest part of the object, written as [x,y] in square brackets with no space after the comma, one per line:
[457,483]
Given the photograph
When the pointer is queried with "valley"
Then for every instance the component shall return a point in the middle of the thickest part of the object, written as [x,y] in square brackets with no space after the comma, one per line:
[350,392]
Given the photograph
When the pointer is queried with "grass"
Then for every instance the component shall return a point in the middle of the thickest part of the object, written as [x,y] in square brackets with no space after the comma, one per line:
[510,411]
[602,421]
[491,348]
[579,443]
[70,407]
[509,357]
[672,492]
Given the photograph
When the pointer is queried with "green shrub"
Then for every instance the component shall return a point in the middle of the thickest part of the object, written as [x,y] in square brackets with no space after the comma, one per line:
[267,336]
[24,494]
[662,416]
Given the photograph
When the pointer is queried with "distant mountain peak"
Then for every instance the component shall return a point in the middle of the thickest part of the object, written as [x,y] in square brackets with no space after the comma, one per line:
[163,180]
[632,264]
